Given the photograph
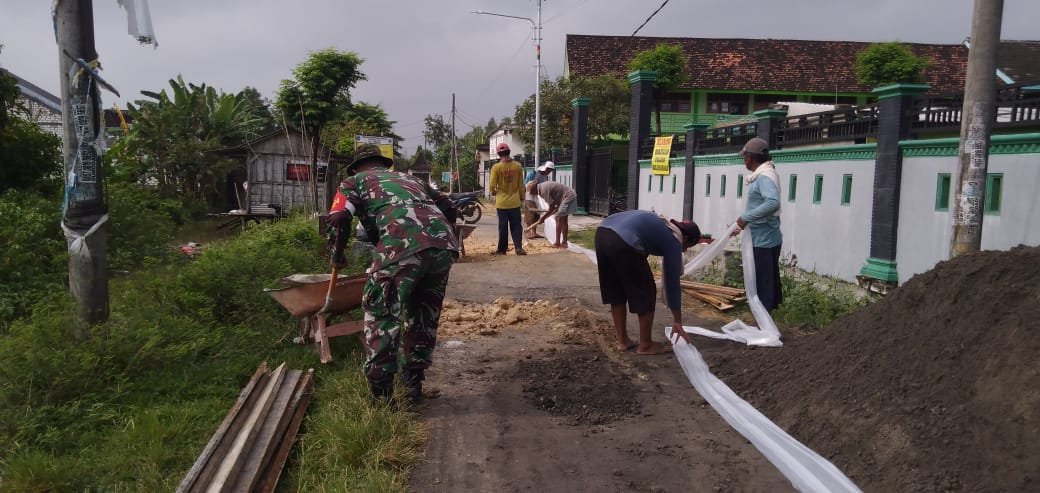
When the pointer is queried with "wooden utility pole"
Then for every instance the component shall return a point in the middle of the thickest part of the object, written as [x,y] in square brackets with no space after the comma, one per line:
[85,209]
[976,121]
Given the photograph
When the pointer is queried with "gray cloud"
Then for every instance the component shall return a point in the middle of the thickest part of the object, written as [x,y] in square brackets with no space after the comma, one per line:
[418,52]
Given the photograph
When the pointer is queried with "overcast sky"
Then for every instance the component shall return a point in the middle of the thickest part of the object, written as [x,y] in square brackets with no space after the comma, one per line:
[417,52]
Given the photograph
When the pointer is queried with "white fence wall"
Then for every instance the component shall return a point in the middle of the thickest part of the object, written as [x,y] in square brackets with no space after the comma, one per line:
[833,238]
[925,233]
[663,194]
[809,228]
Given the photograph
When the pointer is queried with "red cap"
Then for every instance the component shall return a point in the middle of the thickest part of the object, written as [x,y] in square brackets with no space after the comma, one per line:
[503,147]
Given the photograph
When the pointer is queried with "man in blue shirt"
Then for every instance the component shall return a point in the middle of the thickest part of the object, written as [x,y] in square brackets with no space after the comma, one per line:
[762,216]
[623,243]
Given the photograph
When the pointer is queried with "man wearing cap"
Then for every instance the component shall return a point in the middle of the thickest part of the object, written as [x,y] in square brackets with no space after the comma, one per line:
[410,225]
[562,203]
[623,243]
[538,175]
[762,216]
[507,185]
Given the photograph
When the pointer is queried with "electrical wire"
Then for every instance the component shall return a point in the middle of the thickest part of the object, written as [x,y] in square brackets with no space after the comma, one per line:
[648,18]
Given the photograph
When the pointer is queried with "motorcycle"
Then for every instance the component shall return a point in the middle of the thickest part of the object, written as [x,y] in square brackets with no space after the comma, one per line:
[468,205]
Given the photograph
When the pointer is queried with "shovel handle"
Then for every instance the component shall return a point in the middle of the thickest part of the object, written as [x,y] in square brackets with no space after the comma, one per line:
[332,286]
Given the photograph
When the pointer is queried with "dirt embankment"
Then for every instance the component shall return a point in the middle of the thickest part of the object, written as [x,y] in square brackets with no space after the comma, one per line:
[934,388]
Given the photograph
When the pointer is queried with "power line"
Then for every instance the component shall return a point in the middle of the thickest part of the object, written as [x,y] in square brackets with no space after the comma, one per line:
[648,18]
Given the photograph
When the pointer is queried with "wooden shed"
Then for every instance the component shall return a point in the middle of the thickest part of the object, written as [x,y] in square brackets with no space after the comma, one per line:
[275,174]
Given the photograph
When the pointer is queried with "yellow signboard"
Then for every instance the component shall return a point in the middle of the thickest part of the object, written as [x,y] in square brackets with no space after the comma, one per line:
[660,163]
[386,144]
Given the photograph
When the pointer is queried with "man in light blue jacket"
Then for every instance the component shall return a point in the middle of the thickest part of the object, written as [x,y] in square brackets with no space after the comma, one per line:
[762,216]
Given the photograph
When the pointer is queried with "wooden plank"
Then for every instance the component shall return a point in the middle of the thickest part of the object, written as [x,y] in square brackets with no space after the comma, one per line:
[271,430]
[713,288]
[232,462]
[301,399]
[711,300]
[345,328]
[190,479]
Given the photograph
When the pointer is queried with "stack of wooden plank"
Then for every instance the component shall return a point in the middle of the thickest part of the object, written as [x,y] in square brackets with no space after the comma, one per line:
[249,449]
[721,297]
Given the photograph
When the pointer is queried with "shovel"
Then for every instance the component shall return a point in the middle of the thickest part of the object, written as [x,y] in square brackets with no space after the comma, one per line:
[332,286]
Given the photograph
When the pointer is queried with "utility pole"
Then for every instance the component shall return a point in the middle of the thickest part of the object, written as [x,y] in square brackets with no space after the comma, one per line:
[537,26]
[453,166]
[538,87]
[85,212]
[976,121]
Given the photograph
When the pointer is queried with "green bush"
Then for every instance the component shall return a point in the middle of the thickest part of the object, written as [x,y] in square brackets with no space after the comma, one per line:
[813,302]
[887,63]
[130,407]
[32,252]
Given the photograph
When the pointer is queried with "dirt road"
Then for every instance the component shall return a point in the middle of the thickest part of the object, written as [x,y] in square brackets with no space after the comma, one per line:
[533,398]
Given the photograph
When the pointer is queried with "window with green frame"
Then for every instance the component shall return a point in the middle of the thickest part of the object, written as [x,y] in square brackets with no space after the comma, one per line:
[673,183]
[942,192]
[994,193]
[707,185]
[846,189]
[817,190]
[792,187]
[722,186]
[740,186]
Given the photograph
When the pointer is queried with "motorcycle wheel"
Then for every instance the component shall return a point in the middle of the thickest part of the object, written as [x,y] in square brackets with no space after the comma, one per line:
[471,213]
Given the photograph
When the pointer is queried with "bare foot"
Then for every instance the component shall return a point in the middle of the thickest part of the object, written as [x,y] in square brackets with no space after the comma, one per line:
[652,348]
[559,245]
[626,345]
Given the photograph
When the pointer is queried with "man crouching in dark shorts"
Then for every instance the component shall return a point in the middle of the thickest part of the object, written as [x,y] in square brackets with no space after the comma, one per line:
[623,243]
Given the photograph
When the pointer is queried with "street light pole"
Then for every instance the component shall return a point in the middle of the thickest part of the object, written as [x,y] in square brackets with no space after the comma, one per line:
[537,26]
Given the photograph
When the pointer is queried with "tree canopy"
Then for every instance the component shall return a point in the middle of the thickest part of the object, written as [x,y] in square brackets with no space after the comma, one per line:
[669,63]
[608,111]
[320,89]
[889,63]
[30,158]
[173,133]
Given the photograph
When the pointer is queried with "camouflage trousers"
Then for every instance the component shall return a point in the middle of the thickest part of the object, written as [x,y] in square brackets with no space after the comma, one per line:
[402,304]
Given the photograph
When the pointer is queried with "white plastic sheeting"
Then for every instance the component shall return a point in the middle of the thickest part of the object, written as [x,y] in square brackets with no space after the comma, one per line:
[807,471]
[139,21]
[766,334]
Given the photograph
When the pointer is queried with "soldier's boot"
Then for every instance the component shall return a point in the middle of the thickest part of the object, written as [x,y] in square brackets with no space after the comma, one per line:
[412,380]
[382,391]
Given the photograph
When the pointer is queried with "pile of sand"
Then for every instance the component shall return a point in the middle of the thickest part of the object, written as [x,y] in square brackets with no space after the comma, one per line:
[934,388]
[459,318]
[479,250]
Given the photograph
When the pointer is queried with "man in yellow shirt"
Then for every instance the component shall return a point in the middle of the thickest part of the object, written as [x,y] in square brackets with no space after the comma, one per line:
[507,185]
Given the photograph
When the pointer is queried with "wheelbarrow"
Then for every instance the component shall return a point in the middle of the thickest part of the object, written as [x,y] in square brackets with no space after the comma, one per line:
[304,296]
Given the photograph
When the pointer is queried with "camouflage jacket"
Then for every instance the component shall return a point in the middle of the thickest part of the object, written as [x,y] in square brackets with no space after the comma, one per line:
[399,211]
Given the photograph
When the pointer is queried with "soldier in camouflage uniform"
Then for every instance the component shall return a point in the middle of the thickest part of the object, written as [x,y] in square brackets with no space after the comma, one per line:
[410,225]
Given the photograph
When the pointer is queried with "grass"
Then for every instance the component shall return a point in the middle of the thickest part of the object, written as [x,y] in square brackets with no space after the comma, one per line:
[131,407]
[583,237]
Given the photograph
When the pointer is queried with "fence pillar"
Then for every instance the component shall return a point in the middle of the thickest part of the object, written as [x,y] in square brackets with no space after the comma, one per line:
[642,82]
[895,118]
[694,136]
[580,152]
[768,126]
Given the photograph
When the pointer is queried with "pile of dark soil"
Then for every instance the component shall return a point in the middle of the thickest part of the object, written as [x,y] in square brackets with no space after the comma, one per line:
[580,383]
[934,388]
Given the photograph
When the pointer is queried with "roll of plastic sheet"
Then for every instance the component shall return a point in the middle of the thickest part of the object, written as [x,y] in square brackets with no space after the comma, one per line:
[766,334]
[807,471]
